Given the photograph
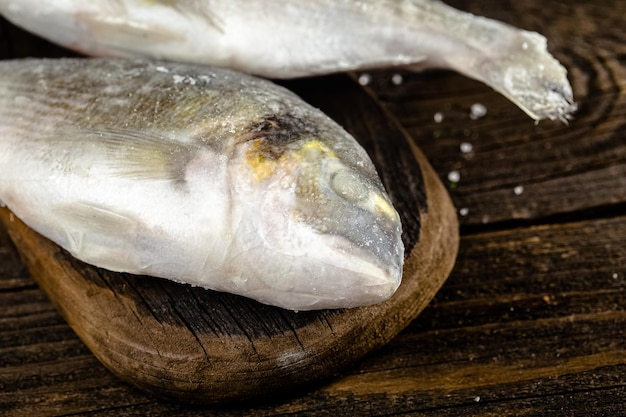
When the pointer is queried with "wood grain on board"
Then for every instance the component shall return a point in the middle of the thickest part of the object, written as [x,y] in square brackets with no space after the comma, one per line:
[532,320]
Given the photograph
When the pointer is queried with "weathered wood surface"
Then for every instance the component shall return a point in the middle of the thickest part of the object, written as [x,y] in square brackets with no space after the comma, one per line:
[532,320]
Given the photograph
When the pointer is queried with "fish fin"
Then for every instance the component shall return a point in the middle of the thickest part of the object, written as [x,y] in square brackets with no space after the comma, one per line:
[115,33]
[420,65]
[134,154]
[100,235]
[198,8]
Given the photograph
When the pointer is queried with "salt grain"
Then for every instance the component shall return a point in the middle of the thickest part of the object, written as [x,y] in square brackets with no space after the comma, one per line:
[466,147]
[365,79]
[477,111]
[438,117]
[396,79]
[463,211]
[454,176]
[518,190]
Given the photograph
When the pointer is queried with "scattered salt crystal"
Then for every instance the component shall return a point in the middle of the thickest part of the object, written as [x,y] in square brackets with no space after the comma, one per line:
[396,79]
[615,275]
[466,147]
[463,211]
[518,190]
[365,79]
[438,117]
[477,399]
[477,111]
[274,105]
[454,176]
[162,69]
[183,79]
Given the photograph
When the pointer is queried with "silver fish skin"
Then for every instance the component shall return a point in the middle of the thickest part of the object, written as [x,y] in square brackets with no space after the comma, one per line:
[199,175]
[295,38]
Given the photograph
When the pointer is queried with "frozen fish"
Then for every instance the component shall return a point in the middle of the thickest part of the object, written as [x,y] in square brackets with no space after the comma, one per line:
[295,38]
[199,175]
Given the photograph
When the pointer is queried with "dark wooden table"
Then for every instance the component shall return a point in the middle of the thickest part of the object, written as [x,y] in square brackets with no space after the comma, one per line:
[532,320]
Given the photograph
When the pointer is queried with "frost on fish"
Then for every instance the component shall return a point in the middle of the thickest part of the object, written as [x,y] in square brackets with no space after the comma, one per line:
[199,175]
[287,38]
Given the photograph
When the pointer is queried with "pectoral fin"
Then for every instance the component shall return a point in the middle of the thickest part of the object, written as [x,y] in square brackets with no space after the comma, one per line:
[134,154]
[114,29]
[99,235]
[117,32]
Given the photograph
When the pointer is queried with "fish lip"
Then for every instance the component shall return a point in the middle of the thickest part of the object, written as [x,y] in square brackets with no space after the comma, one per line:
[558,103]
[365,295]
[369,279]
[334,273]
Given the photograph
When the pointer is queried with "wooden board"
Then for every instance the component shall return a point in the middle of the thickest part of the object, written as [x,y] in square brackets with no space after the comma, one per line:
[203,346]
[532,320]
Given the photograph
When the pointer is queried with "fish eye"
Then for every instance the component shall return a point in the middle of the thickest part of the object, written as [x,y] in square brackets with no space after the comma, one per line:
[348,185]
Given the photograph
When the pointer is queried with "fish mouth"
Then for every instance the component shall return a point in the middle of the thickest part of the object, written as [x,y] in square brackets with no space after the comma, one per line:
[538,98]
[348,288]
[358,249]
[326,272]
[335,272]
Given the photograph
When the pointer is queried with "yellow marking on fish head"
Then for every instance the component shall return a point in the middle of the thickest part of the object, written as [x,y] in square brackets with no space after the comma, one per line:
[261,160]
[314,148]
[384,207]
[265,158]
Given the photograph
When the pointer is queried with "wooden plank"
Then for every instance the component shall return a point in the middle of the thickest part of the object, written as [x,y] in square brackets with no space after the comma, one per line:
[514,325]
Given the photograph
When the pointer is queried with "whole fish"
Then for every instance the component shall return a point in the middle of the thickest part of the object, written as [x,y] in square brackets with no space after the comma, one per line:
[199,175]
[294,38]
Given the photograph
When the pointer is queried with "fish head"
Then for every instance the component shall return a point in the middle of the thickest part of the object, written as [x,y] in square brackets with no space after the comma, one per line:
[323,225]
[530,77]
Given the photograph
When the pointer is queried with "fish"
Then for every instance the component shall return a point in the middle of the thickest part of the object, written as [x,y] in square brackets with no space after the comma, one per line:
[298,38]
[199,175]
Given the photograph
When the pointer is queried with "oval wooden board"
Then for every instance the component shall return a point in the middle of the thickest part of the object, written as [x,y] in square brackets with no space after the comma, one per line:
[202,346]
